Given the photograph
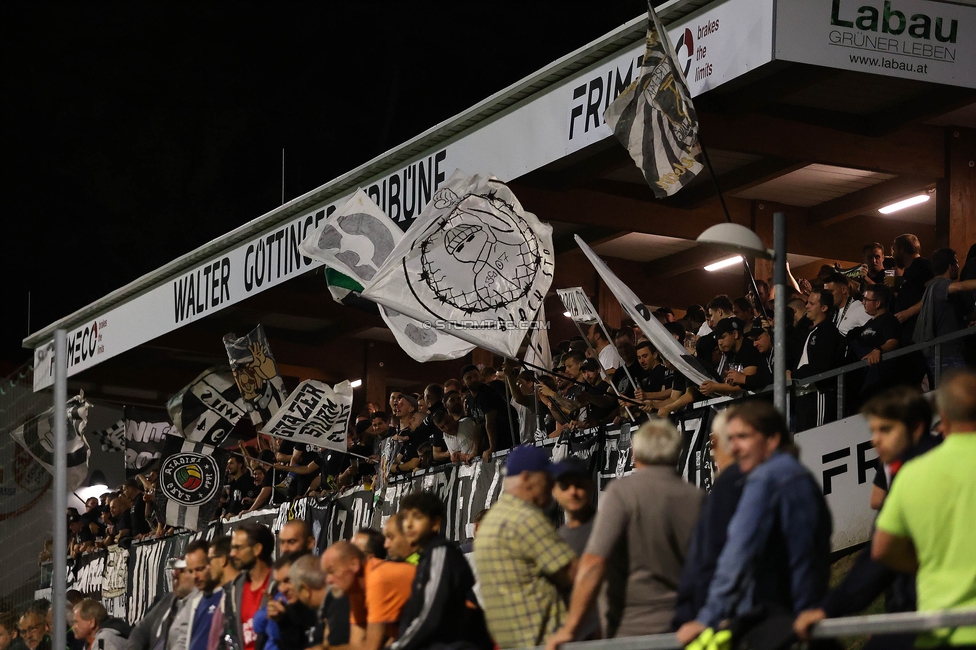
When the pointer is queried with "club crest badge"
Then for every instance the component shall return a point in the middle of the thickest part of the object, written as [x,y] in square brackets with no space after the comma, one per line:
[189,478]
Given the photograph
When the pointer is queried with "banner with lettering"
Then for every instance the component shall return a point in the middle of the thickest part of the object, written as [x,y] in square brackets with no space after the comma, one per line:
[208,408]
[314,414]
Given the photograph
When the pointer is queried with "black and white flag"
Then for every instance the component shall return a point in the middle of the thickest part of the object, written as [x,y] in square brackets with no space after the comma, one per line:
[256,374]
[474,264]
[314,414]
[112,438]
[140,435]
[37,437]
[207,410]
[655,119]
[190,480]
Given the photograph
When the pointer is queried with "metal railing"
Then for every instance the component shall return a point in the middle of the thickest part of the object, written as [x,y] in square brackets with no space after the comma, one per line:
[902,623]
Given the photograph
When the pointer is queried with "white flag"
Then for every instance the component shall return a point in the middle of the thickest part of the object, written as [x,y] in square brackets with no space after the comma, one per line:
[538,352]
[578,305]
[355,241]
[37,437]
[314,414]
[661,338]
[474,264]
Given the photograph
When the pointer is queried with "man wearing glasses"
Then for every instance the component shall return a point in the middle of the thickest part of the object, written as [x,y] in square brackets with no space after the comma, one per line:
[33,630]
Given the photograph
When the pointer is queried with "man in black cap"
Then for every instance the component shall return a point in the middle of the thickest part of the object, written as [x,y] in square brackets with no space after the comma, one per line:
[738,355]
[82,539]
[761,336]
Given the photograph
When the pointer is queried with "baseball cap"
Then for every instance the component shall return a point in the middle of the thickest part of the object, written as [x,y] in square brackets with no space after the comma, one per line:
[757,331]
[74,519]
[572,467]
[527,458]
[727,326]
[590,364]
[175,563]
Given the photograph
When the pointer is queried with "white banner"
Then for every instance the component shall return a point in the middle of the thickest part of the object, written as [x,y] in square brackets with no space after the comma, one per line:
[538,352]
[475,264]
[841,457]
[578,305]
[661,338]
[911,39]
[713,46]
[314,414]
[356,240]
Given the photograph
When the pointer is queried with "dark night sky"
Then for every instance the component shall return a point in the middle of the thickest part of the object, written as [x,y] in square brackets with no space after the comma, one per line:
[135,132]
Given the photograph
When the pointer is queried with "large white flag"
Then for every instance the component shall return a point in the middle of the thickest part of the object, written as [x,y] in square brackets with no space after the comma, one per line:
[37,437]
[355,241]
[538,352]
[314,414]
[474,264]
[661,338]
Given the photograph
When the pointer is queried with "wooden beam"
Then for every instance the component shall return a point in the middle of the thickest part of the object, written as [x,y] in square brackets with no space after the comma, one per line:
[737,180]
[682,262]
[866,200]
[758,90]
[916,150]
[962,189]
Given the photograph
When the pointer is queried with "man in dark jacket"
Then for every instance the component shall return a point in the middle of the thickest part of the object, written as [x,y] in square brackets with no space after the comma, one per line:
[441,607]
[777,555]
[817,404]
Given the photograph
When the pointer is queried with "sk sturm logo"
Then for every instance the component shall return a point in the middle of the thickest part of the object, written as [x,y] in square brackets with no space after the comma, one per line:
[685,51]
[189,478]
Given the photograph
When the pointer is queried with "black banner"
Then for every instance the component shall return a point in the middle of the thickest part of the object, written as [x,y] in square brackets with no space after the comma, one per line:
[85,573]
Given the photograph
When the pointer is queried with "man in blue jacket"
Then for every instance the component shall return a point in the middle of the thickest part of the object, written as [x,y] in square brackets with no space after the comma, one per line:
[777,555]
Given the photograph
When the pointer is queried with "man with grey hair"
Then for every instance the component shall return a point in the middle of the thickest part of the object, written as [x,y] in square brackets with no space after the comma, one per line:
[653,511]
[308,581]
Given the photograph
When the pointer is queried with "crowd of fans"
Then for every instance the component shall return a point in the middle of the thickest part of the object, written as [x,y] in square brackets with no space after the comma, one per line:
[682,559]
[750,559]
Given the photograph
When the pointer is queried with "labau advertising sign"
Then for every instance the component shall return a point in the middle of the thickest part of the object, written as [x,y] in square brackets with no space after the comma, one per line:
[913,39]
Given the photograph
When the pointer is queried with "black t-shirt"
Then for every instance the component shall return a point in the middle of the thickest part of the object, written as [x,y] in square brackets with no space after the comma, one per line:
[912,288]
[331,463]
[241,488]
[622,382]
[124,522]
[597,414]
[137,515]
[875,333]
[300,483]
[485,401]
[747,356]
[335,612]
[913,282]
[84,535]
[655,379]
[416,437]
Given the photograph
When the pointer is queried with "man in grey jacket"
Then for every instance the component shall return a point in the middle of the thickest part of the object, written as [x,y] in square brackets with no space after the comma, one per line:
[152,632]
[99,631]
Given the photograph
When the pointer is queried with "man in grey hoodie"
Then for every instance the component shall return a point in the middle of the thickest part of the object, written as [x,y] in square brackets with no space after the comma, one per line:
[97,629]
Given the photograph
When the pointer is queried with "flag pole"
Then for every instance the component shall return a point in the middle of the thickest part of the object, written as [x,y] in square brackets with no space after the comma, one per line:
[728,217]
[570,379]
[596,357]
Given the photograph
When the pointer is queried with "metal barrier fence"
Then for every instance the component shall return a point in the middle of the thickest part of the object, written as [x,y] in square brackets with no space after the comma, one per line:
[903,623]
[25,491]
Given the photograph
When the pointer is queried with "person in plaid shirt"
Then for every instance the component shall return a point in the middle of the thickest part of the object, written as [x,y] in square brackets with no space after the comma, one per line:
[522,562]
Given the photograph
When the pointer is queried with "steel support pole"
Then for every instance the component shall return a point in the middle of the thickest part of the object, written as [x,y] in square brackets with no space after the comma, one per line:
[779,312]
[59,580]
